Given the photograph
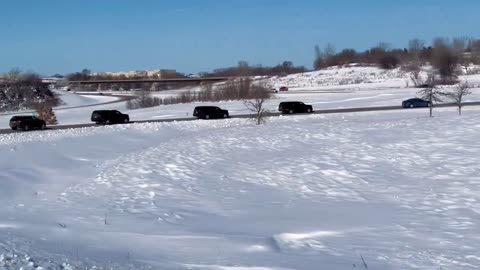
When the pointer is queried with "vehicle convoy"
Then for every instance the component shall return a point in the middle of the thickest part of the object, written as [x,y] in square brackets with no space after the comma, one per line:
[26,122]
[210,112]
[415,103]
[294,107]
[108,117]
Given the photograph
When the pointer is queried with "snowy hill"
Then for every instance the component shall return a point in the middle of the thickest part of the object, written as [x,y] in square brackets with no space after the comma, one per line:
[307,192]
[343,76]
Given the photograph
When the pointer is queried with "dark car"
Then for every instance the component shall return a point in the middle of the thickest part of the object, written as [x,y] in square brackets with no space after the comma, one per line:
[109,117]
[283,88]
[209,112]
[415,102]
[294,107]
[27,123]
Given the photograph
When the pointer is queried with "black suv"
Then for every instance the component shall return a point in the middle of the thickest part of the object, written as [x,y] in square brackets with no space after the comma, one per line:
[27,123]
[415,102]
[209,112]
[109,117]
[294,107]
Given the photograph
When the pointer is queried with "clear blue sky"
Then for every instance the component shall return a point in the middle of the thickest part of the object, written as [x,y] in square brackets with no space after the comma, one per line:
[60,36]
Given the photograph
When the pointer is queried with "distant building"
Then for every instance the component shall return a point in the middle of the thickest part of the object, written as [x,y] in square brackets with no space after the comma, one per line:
[157,74]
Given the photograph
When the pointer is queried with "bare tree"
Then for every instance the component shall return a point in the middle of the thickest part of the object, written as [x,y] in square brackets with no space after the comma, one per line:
[441,42]
[415,47]
[323,57]
[431,93]
[460,44]
[462,89]
[256,104]
[328,51]
[384,46]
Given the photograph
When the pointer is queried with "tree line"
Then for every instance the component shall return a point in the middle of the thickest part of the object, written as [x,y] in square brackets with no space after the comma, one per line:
[443,54]
[245,69]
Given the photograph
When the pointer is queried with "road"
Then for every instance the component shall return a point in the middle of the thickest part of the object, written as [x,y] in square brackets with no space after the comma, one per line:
[329,111]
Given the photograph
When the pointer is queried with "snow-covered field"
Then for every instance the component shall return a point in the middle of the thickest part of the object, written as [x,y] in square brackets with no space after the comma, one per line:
[398,189]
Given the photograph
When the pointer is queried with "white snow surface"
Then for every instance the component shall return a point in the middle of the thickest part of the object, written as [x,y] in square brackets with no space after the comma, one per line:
[70,99]
[398,189]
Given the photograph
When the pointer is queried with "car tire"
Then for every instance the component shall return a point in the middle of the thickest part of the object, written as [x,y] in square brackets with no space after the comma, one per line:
[14,128]
[411,106]
[290,111]
[225,115]
[108,122]
[309,110]
[207,116]
[126,120]
[26,128]
[43,126]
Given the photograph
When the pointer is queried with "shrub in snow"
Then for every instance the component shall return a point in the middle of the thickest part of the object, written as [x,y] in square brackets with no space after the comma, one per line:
[46,113]
[144,100]
[22,90]
[388,61]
